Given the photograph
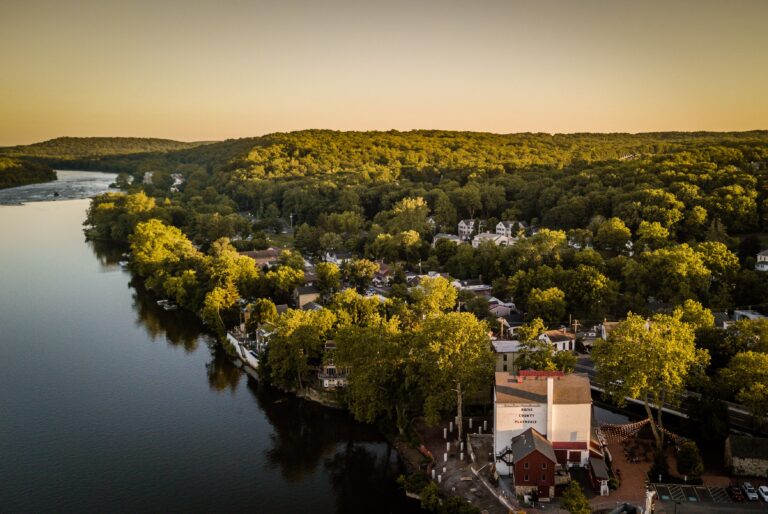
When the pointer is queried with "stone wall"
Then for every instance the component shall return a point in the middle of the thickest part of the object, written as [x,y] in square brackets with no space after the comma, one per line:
[750,467]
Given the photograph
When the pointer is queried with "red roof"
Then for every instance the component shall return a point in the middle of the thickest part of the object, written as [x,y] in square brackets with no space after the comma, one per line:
[569,445]
[534,373]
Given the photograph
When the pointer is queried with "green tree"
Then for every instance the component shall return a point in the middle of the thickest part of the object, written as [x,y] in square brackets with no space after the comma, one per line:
[284,280]
[548,304]
[217,300]
[298,339]
[649,361]
[540,355]
[261,311]
[574,500]
[695,314]
[432,297]
[360,272]
[613,235]
[328,278]
[651,236]
[454,359]
[380,379]
[689,461]
[747,377]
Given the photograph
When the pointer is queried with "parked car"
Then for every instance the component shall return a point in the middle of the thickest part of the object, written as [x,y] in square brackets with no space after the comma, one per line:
[735,493]
[749,491]
[763,492]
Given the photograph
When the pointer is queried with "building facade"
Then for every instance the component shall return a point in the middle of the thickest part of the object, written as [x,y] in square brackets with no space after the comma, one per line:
[557,406]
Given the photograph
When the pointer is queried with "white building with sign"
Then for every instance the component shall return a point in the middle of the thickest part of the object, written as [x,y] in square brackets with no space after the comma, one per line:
[556,405]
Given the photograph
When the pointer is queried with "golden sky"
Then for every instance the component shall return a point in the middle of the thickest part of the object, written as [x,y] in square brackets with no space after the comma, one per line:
[205,70]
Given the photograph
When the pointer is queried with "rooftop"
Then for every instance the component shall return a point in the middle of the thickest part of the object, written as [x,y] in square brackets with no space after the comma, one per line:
[530,441]
[532,388]
[558,335]
[751,447]
[505,346]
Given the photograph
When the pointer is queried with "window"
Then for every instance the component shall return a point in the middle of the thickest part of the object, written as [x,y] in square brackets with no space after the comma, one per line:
[544,466]
[505,367]
[543,477]
[525,465]
[525,478]
[505,357]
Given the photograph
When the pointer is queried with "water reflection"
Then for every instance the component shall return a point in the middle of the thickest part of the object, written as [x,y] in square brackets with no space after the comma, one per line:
[107,253]
[223,375]
[303,440]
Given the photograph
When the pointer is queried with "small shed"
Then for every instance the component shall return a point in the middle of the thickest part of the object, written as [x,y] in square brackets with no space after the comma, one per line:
[598,474]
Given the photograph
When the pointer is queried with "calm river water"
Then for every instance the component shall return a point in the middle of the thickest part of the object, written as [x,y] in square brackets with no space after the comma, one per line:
[110,404]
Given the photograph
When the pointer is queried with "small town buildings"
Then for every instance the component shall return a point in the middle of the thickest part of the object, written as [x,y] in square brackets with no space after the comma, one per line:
[506,351]
[266,257]
[740,314]
[606,327]
[312,306]
[474,286]
[761,262]
[338,258]
[722,319]
[534,464]
[556,405]
[304,295]
[498,240]
[453,238]
[384,274]
[747,456]
[511,228]
[467,228]
[559,339]
[598,475]
[331,376]
[499,308]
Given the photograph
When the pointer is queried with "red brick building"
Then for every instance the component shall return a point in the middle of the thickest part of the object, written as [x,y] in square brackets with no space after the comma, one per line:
[534,464]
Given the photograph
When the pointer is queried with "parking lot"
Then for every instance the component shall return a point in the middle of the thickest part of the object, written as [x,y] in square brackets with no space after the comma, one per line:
[699,498]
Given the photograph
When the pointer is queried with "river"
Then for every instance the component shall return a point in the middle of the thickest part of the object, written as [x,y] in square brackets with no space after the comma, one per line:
[110,404]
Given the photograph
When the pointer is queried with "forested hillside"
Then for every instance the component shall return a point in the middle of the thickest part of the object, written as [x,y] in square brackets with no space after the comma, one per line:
[79,147]
[16,173]
[613,224]
[630,218]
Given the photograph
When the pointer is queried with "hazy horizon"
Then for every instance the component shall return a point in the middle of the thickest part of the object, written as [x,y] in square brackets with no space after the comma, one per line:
[205,141]
[208,71]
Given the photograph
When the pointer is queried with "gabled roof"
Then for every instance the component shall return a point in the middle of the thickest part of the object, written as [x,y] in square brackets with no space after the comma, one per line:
[572,388]
[558,336]
[764,253]
[529,442]
[467,222]
[506,346]
[263,256]
[308,290]
[509,224]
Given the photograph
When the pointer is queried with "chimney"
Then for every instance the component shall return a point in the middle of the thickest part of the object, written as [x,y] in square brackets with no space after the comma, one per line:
[550,399]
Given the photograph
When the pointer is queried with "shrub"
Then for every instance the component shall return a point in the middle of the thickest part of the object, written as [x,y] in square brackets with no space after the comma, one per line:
[689,460]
